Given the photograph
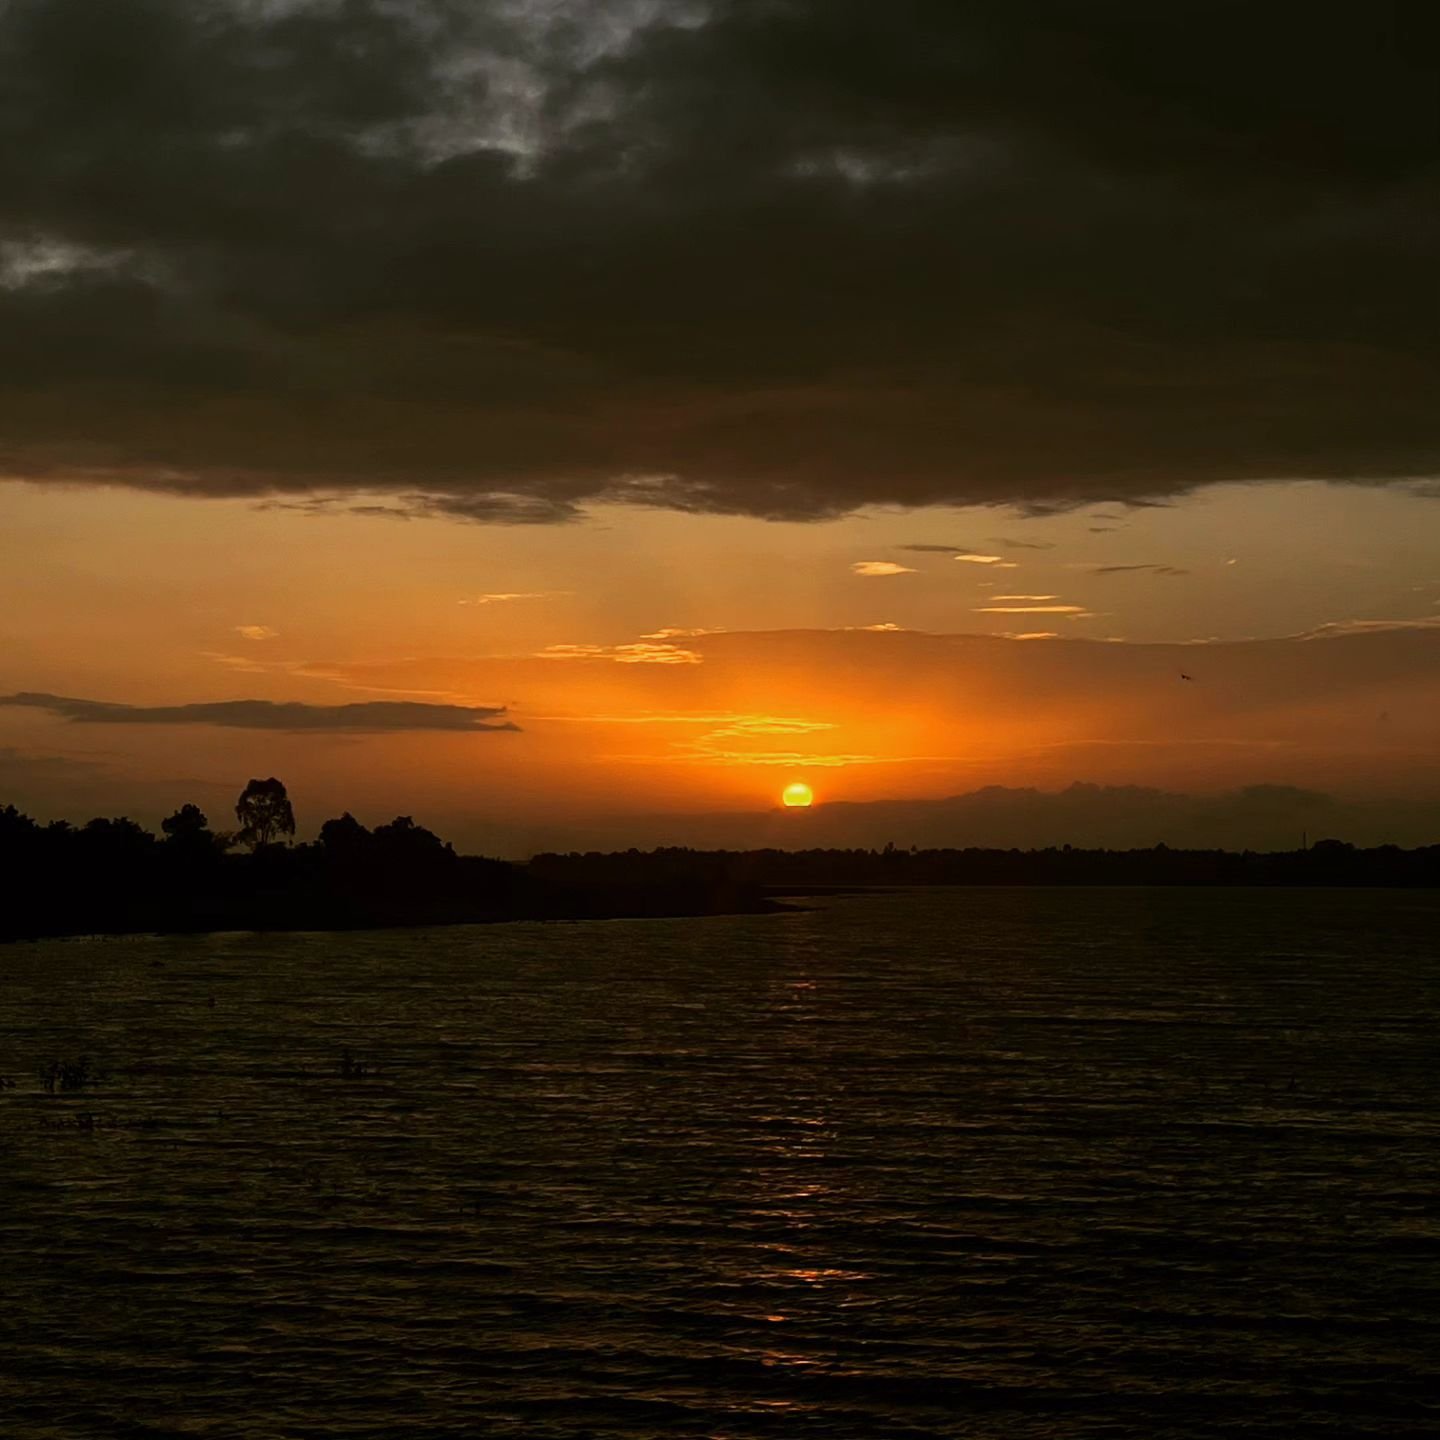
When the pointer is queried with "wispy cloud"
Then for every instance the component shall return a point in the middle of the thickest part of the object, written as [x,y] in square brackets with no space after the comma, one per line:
[1024,544]
[256,632]
[1075,610]
[711,749]
[247,664]
[789,759]
[724,736]
[1368,627]
[1024,597]
[1137,569]
[375,716]
[337,674]
[752,723]
[746,725]
[880,567]
[643,653]
[965,553]
[488,507]
[501,597]
[681,632]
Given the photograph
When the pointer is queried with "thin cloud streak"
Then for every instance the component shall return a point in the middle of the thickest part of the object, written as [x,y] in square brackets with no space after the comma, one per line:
[683,632]
[505,596]
[369,717]
[635,654]
[1137,569]
[1336,628]
[1072,610]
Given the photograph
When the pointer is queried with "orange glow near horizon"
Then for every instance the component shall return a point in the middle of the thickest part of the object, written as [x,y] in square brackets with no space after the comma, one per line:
[621,713]
[798,796]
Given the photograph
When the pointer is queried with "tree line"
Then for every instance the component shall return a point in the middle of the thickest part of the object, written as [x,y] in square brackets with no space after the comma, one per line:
[113,875]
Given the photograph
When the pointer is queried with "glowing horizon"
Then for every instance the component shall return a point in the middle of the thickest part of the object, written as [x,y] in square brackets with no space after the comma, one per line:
[554,462]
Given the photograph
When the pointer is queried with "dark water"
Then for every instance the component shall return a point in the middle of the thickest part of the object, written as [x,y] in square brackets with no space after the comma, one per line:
[973,1163]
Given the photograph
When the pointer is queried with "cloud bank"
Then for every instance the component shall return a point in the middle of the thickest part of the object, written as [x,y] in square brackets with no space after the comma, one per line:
[369,717]
[777,258]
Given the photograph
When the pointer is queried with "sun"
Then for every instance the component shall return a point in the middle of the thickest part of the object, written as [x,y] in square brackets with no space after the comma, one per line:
[798,795]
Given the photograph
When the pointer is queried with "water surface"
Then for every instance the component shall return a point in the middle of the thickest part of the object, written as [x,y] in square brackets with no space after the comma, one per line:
[965,1163]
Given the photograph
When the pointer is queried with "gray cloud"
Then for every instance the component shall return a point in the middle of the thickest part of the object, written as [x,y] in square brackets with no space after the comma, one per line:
[1132,569]
[779,259]
[370,717]
[938,549]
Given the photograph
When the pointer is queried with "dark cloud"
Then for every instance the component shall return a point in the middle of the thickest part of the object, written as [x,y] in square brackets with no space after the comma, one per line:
[1132,569]
[1025,544]
[938,549]
[772,257]
[369,717]
[490,507]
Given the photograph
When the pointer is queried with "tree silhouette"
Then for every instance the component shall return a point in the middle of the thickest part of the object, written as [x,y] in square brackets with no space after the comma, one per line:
[121,838]
[187,825]
[189,840]
[264,813]
[344,836]
[403,839]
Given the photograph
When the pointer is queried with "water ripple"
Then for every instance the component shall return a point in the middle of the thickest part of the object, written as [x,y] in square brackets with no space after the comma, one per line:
[991,1163]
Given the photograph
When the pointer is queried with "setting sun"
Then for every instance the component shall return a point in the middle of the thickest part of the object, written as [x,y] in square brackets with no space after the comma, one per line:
[798,795]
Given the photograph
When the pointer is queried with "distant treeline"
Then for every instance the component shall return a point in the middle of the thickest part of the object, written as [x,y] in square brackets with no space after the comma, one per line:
[1326,863]
[113,876]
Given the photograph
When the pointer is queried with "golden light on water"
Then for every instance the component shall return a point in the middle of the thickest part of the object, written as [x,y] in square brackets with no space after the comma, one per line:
[797,795]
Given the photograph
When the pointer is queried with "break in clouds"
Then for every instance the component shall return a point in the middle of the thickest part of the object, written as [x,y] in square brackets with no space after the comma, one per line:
[496,261]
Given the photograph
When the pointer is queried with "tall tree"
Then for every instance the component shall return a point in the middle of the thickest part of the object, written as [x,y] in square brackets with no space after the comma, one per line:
[264,813]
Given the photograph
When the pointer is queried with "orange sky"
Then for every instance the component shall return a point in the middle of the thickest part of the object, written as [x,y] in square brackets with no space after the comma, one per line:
[658,663]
